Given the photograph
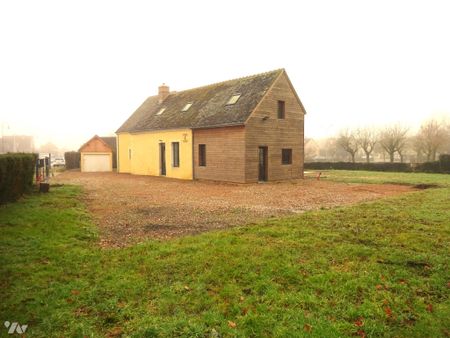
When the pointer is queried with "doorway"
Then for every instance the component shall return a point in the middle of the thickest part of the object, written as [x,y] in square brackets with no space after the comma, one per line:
[262,164]
[162,159]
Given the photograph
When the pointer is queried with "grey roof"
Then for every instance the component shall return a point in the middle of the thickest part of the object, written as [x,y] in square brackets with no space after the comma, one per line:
[209,108]
[110,141]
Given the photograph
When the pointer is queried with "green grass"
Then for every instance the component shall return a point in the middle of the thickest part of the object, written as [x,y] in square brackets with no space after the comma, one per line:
[350,176]
[380,268]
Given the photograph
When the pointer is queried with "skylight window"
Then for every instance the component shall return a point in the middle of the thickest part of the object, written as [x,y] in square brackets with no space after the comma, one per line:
[187,106]
[234,99]
[161,111]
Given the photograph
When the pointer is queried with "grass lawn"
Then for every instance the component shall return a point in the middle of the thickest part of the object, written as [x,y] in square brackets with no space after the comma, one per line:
[350,176]
[373,269]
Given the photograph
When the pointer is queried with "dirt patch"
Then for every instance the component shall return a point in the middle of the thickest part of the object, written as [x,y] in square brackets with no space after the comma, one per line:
[129,209]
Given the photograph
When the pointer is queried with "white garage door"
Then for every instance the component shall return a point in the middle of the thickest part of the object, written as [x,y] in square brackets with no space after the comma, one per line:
[93,163]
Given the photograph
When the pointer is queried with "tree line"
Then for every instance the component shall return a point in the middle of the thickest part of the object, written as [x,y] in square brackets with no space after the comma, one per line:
[432,138]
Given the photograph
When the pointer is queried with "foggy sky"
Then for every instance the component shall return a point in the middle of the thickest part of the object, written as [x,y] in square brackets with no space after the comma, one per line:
[72,69]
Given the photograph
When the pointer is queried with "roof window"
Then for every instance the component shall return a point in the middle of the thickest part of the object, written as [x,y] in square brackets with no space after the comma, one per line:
[233,99]
[187,106]
[160,111]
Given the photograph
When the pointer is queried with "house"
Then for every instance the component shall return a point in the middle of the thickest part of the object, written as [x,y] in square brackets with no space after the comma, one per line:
[98,154]
[16,144]
[243,130]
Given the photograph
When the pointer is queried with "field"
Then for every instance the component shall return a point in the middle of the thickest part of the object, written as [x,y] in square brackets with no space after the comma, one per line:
[377,268]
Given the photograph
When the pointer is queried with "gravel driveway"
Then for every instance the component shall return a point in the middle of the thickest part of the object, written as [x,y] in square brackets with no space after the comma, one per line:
[129,208]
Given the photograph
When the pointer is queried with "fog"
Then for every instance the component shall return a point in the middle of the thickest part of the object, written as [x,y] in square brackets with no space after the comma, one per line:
[70,70]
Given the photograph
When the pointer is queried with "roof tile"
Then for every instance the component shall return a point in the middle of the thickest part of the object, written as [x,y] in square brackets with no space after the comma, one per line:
[209,108]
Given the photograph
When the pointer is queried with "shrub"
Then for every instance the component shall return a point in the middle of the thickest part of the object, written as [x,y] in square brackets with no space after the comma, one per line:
[72,159]
[395,167]
[16,175]
[441,166]
[428,167]
[444,159]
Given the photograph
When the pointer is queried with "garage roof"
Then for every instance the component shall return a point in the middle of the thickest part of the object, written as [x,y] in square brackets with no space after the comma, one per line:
[110,141]
[101,144]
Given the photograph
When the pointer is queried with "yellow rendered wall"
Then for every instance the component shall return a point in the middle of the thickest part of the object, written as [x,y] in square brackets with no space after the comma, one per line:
[123,144]
[145,156]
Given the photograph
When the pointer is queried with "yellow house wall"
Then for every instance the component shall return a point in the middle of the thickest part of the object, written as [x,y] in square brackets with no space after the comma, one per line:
[123,144]
[145,156]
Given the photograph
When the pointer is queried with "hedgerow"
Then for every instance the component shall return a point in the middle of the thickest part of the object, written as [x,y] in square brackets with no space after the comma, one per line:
[441,166]
[72,159]
[16,175]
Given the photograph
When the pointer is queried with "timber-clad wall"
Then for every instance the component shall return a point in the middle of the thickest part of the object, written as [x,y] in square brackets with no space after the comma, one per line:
[232,152]
[276,134]
[225,154]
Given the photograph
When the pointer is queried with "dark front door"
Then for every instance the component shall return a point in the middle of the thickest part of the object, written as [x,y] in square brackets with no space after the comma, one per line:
[262,164]
[162,157]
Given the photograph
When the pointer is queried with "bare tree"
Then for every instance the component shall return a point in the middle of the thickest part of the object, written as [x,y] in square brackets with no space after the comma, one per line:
[311,149]
[417,146]
[347,140]
[401,147]
[447,143]
[329,150]
[432,136]
[393,139]
[367,139]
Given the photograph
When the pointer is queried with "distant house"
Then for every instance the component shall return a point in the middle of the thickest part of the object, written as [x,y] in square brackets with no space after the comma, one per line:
[17,144]
[244,130]
[98,154]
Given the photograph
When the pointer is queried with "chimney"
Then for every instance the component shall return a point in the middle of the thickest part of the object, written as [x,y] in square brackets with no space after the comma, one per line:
[163,92]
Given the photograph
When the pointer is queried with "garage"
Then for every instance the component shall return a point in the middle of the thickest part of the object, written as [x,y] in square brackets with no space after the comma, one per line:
[96,162]
[97,155]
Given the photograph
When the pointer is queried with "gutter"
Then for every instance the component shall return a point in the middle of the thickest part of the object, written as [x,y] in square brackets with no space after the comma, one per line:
[181,128]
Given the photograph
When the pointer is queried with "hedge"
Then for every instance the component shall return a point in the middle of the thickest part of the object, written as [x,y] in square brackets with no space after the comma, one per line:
[428,167]
[444,159]
[441,166]
[72,159]
[384,166]
[16,175]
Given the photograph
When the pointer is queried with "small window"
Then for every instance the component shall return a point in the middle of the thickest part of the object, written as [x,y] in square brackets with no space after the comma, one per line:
[175,154]
[187,106]
[160,111]
[129,154]
[281,110]
[234,99]
[286,156]
[202,155]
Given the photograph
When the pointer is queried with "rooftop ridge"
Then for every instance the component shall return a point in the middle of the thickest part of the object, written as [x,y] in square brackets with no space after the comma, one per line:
[230,80]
